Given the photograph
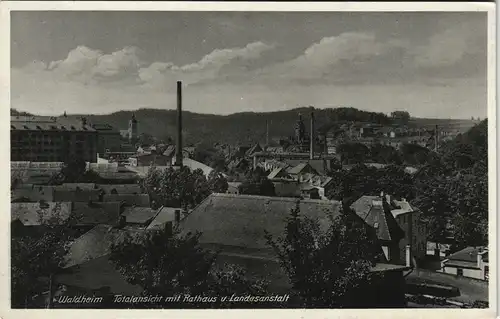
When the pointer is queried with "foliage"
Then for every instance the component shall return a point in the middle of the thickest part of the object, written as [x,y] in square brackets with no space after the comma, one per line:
[167,263]
[162,263]
[257,183]
[327,268]
[36,257]
[210,156]
[181,188]
[217,182]
[401,117]
[353,153]
[360,180]
[384,154]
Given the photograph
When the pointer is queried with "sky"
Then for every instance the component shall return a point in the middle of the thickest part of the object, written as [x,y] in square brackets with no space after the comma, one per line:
[431,64]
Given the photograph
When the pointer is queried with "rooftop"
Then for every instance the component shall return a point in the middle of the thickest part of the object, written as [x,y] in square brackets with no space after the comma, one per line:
[47,123]
[139,215]
[240,220]
[34,214]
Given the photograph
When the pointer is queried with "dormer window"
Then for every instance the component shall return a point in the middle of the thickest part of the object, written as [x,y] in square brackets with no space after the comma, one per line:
[38,127]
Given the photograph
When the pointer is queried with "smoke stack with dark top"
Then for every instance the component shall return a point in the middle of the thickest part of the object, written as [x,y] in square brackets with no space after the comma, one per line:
[311,138]
[178,148]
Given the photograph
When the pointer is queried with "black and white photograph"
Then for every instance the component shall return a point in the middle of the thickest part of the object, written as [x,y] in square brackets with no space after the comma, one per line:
[251,159]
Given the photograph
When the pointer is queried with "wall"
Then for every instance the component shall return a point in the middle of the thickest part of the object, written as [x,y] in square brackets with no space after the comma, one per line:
[412,226]
[471,273]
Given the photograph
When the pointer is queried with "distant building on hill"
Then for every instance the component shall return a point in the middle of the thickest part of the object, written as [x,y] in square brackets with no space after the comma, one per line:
[51,139]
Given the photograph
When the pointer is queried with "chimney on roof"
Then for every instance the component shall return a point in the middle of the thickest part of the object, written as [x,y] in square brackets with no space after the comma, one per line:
[178,148]
[311,138]
[408,255]
[65,114]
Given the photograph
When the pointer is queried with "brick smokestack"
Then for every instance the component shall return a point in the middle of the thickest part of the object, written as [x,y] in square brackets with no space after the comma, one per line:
[178,148]
[311,138]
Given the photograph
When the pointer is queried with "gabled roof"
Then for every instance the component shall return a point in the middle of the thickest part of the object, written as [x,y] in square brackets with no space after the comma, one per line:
[74,186]
[467,254]
[139,215]
[33,193]
[240,220]
[121,188]
[76,195]
[254,149]
[165,215]
[48,123]
[318,165]
[301,168]
[403,208]
[96,243]
[140,200]
[372,211]
[96,213]
[34,214]
[277,172]
[96,274]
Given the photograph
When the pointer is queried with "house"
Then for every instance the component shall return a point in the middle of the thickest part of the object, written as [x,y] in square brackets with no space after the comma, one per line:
[149,159]
[139,216]
[472,262]
[194,165]
[236,226]
[91,214]
[320,166]
[301,168]
[319,182]
[121,189]
[409,218]
[140,200]
[278,173]
[374,211]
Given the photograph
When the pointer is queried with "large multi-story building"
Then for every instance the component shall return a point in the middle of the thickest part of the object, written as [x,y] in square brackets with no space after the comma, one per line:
[52,139]
[108,138]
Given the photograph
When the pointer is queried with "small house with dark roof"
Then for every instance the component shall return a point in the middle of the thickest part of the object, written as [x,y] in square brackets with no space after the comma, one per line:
[471,262]
[376,213]
[301,168]
[166,215]
[91,214]
[139,216]
[139,200]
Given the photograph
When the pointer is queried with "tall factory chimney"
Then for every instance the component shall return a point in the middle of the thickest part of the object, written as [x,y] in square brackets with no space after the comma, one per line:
[178,148]
[311,138]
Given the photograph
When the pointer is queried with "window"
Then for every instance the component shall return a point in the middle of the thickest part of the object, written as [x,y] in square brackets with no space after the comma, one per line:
[486,272]
[460,272]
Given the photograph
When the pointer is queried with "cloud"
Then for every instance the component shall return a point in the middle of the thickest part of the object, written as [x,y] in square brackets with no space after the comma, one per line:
[93,66]
[451,45]
[209,67]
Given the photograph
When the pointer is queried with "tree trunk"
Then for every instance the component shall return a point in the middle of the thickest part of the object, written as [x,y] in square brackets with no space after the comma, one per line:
[51,288]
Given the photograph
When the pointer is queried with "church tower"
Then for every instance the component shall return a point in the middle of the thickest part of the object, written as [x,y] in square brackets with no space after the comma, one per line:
[132,129]
[300,130]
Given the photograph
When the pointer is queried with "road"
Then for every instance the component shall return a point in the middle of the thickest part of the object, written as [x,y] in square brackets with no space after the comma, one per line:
[470,290]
